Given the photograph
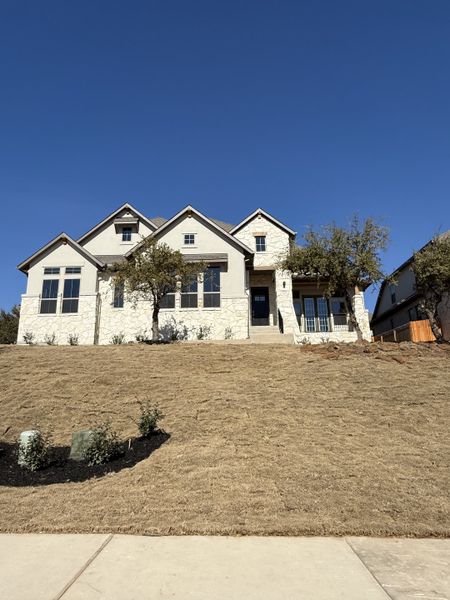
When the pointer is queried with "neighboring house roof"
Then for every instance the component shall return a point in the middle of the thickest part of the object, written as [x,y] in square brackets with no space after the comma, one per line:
[125,206]
[109,259]
[64,238]
[201,216]
[376,317]
[269,217]
[208,257]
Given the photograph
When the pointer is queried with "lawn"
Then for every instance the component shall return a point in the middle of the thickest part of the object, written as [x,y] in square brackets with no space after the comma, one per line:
[263,439]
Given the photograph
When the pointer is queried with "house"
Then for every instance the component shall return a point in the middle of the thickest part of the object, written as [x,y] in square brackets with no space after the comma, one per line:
[397,307]
[70,291]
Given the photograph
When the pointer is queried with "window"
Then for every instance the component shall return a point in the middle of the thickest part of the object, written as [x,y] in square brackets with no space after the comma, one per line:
[51,270]
[393,294]
[126,234]
[260,243]
[118,295]
[189,295]
[316,314]
[168,300]
[189,239]
[73,270]
[339,310]
[71,295]
[211,288]
[49,296]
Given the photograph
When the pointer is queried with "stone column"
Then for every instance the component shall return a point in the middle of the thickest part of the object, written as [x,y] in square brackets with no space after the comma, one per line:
[362,316]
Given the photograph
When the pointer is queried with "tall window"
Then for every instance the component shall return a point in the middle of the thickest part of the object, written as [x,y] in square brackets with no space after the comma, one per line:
[260,243]
[339,310]
[71,295]
[168,300]
[316,314]
[49,296]
[189,295]
[211,288]
[118,295]
[393,294]
[126,234]
[189,239]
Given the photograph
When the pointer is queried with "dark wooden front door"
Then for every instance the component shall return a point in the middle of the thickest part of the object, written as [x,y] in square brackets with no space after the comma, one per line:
[260,306]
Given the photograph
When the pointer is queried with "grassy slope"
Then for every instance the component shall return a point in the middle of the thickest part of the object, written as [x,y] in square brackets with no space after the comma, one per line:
[264,440]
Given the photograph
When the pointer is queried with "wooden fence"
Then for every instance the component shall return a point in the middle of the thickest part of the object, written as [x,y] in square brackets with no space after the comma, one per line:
[414,331]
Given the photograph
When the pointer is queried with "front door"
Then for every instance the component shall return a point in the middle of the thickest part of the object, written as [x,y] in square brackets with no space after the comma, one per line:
[260,306]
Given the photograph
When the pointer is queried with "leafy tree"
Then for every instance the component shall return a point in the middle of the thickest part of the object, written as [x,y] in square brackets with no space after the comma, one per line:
[9,325]
[153,271]
[345,260]
[431,267]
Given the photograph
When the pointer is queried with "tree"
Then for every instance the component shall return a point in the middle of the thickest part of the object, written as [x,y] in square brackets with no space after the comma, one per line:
[9,325]
[153,271]
[431,267]
[345,260]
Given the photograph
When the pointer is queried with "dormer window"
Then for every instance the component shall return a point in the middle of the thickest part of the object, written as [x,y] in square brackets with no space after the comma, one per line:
[260,243]
[189,239]
[126,234]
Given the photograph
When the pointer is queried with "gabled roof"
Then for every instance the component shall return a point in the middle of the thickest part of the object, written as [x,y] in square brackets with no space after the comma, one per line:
[65,239]
[269,217]
[190,209]
[125,206]
[405,264]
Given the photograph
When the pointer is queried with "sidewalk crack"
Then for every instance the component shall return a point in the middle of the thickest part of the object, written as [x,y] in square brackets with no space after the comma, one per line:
[70,583]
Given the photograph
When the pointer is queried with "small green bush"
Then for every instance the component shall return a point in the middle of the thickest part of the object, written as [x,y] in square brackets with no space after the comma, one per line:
[148,419]
[73,339]
[104,445]
[34,455]
[118,339]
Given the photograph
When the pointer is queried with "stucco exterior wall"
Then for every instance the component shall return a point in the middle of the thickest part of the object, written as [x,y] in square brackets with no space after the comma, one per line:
[108,239]
[277,241]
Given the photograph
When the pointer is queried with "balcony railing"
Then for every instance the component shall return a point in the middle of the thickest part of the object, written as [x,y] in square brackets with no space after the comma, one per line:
[324,324]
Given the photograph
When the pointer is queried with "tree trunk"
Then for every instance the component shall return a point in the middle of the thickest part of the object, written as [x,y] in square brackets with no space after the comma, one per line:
[155,322]
[352,316]
[432,317]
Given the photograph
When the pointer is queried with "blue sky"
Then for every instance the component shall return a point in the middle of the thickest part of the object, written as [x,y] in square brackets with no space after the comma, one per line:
[312,110]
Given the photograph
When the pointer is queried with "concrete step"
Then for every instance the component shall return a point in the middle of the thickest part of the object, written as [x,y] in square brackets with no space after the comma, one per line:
[272,338]
[264,329]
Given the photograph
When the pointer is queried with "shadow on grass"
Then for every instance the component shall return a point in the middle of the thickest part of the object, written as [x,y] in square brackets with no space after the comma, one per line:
[63,470]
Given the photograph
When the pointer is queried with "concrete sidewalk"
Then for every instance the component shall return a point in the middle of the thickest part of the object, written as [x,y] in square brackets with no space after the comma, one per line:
[118,567]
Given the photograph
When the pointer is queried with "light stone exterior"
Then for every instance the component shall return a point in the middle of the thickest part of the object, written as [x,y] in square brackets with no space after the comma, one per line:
[97,321]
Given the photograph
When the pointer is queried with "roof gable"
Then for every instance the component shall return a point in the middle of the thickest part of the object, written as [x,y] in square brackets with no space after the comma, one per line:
[269,217]
[65,239]
[111,217]
[212,223]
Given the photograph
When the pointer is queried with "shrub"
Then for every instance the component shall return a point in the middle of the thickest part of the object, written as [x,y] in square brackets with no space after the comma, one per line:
[34,454]
[148,419]
[118,339]
[28,338]
[50,339]
[228,333]
[104,445]
[203,332]
[72,339]
[142,337]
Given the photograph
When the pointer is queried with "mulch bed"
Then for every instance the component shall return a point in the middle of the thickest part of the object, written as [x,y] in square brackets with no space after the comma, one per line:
[61,469]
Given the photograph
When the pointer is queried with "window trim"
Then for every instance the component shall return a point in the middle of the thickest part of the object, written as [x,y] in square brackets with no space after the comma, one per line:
[190,235]
[70,299]
[48,299]
[264,243]
[118,295]
[212,293]
[189,294]
[127,231]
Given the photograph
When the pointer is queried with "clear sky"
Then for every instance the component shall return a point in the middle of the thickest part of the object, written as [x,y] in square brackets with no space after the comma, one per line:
[310,109]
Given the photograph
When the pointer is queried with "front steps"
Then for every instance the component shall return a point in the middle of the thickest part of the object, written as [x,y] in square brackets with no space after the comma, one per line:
[269,334]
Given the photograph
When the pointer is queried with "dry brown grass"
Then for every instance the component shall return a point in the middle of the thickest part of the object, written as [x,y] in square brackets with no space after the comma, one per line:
[264,439]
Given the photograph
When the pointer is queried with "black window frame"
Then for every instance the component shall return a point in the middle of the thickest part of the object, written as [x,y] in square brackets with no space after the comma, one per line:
[73,270]
[49,297]
[211,288]
[189,294]
[70,303]
[126,234]
[190,237]
[118,295]
[51,270]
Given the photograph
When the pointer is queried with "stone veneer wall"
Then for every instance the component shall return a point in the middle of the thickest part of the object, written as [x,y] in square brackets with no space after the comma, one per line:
[231,319]
[81,323]
[277,241]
